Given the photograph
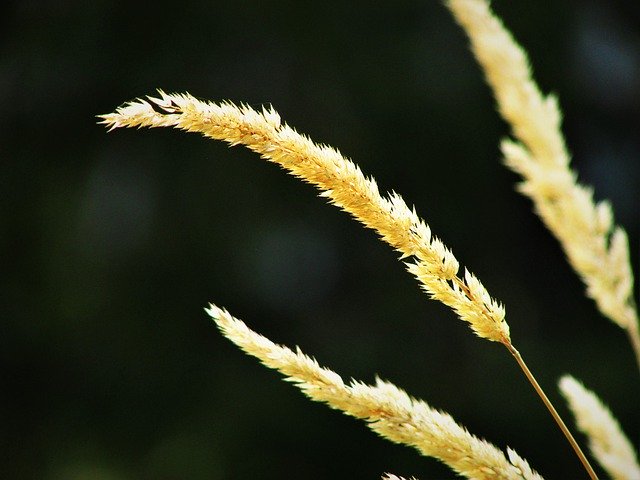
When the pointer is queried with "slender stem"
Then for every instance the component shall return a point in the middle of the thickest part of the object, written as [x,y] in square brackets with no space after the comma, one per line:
[634,337]
[552,411]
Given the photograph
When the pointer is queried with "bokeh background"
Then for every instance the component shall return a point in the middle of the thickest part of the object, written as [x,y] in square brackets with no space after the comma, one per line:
[112,244]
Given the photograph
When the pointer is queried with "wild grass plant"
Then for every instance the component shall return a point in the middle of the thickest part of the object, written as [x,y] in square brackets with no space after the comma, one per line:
[595,247]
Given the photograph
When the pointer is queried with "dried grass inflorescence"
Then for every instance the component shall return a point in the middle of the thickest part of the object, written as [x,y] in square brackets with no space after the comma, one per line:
[342,182]
[596,249]
[608,444]
[388,410]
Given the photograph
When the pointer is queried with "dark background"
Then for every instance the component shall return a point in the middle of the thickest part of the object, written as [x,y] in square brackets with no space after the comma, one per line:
[112,244]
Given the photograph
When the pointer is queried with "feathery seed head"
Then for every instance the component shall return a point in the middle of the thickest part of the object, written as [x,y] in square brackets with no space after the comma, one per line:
[388,410]
[608,443]
[340,181]
[567,208]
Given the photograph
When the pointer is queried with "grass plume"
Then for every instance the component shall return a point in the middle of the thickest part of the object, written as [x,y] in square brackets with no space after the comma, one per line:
[594,246]
[346,186]
[607,442]
[388,410]
[342,182]
[596,249]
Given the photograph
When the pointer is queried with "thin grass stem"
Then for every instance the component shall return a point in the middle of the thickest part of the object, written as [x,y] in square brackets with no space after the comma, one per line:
[547,403]
[634,339]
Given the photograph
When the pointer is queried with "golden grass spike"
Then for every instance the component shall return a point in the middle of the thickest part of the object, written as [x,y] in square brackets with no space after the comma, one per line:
[596,249]
[608,443]
[388,410]
[341,181]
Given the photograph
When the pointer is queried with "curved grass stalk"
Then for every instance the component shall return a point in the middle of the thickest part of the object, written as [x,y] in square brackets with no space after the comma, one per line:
[556,416]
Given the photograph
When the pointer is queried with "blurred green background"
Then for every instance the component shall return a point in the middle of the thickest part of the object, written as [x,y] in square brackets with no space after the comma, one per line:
[112,244]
